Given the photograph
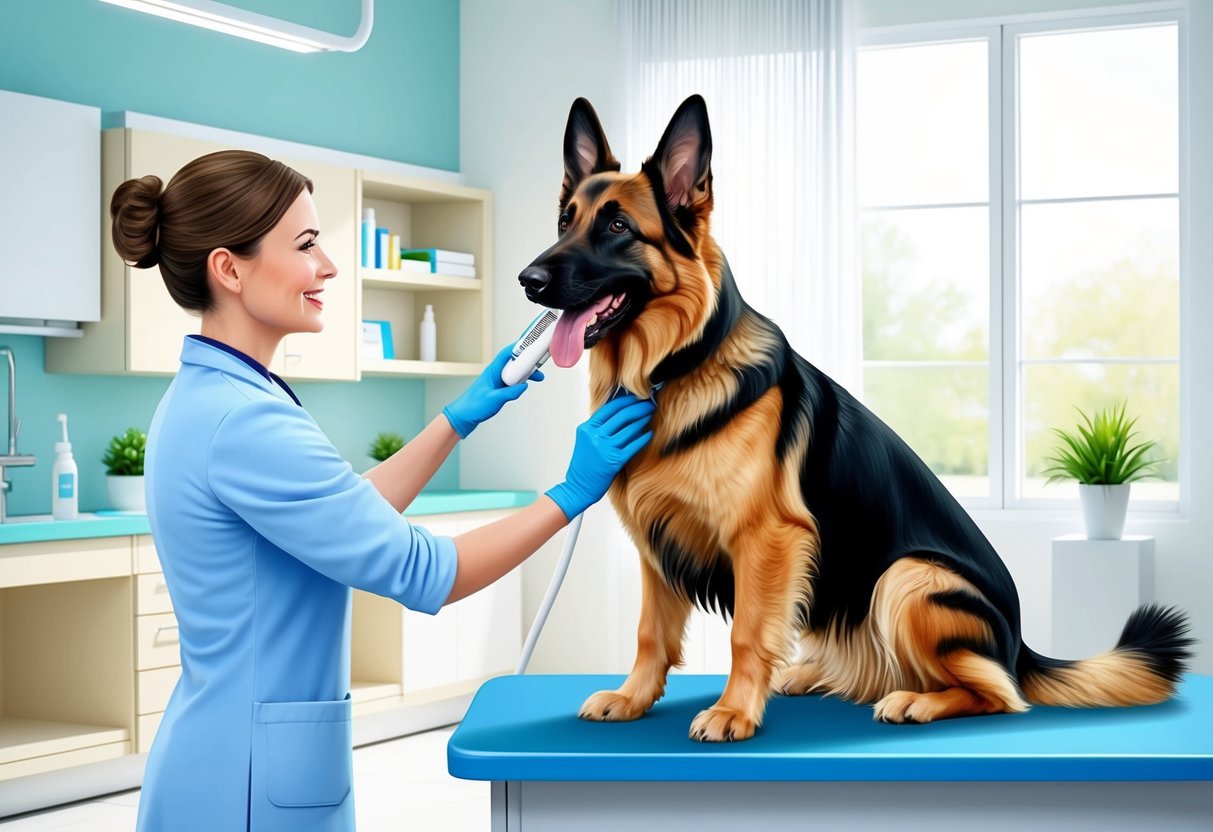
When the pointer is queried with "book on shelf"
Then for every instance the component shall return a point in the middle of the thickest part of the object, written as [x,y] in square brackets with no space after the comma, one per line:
[439,255]
[454,269]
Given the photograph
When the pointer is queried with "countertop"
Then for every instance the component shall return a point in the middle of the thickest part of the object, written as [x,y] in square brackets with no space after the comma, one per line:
[526,728]
[41,527]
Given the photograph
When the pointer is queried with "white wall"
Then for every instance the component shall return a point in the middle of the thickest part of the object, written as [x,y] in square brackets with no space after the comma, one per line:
[522,63]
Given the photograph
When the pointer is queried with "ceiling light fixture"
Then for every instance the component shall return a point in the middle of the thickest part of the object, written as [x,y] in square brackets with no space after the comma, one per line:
[230,20]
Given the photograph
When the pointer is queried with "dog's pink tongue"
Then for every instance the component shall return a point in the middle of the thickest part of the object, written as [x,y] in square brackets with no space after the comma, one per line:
[568,342]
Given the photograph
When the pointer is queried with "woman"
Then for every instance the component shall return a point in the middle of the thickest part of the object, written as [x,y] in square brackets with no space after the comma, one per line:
[260,525]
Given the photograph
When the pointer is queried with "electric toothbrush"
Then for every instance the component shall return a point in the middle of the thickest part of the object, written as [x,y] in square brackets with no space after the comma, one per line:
[531,351]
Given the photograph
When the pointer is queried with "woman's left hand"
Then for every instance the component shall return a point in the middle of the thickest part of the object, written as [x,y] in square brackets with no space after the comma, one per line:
[485,396]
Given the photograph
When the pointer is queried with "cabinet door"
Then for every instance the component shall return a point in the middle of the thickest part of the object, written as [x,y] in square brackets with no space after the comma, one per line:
[431,641]
[489,623]
[50,175]
[333,353]
[156,324]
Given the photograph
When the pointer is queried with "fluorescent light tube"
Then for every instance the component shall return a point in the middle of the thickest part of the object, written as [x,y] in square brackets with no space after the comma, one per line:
[220,17]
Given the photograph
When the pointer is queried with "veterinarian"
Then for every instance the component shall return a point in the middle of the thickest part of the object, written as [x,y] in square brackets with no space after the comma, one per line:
[262,527]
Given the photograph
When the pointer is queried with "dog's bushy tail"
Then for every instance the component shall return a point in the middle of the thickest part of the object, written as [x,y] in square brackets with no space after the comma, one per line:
[1142,669]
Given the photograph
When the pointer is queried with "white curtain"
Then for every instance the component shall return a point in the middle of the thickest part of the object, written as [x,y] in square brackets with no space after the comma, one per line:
[778,78]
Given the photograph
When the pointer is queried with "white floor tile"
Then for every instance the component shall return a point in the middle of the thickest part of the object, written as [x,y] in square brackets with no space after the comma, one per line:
[399,786]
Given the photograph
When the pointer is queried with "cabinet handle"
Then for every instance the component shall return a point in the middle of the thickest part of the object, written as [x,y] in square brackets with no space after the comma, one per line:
[294,356]
[176,637]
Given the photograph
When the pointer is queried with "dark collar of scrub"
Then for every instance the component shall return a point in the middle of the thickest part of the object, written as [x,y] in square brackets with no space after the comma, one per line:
[252,362]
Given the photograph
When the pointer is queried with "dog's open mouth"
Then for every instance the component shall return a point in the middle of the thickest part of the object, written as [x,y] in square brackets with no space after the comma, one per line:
[581,328]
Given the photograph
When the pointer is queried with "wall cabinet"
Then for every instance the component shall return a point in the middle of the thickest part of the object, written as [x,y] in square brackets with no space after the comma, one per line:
[141,328]
[50,181]
[430,215]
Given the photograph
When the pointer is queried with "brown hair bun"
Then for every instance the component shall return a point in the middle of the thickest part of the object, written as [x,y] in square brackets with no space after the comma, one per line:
[135,210]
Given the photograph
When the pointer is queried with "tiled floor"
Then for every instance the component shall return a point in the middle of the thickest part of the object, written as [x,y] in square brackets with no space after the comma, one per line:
[400,785]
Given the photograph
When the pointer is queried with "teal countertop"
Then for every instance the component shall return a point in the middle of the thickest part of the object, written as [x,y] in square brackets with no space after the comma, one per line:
[40,527]
[526,728]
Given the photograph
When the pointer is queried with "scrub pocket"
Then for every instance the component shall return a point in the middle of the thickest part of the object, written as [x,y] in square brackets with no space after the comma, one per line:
[306,751]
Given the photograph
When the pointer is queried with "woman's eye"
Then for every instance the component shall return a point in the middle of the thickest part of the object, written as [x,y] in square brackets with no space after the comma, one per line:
[618,227]
[309,244]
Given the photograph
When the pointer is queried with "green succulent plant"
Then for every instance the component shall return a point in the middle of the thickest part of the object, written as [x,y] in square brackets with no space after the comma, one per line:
[124,456]
[1099,452]
[384,445]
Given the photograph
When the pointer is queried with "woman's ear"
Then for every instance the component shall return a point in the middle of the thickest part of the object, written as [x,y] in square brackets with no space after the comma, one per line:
[221,263]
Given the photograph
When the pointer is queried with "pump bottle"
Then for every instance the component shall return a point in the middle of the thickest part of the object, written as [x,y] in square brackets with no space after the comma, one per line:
[429,335]
[64,478]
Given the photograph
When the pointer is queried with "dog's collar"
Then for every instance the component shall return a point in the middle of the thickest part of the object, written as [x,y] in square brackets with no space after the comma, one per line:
[728,311]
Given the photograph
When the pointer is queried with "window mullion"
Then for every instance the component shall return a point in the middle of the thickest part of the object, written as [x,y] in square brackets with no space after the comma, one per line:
[1007,289]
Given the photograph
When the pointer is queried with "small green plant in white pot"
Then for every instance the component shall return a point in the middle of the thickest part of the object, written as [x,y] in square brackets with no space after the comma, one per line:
[123,460]
[384,445]
[1101,458]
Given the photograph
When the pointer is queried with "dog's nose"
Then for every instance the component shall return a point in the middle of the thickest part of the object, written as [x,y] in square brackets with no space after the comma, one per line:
[534,278]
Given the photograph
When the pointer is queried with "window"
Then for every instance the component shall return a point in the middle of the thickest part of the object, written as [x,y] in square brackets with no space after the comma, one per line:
[1020,205]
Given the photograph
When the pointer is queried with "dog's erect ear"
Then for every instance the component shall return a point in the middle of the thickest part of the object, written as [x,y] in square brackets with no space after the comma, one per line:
[585,148]
[684,156]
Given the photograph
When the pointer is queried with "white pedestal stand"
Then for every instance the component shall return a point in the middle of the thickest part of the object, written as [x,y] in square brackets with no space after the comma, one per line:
[1096,584]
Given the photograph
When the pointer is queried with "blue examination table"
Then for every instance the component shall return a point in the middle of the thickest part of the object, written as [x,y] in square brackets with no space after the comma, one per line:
[823,764]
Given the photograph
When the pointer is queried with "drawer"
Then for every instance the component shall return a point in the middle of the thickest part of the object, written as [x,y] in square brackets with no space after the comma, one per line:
[151,594]
[156,641]
[146,558]
[155,688]
[147,726]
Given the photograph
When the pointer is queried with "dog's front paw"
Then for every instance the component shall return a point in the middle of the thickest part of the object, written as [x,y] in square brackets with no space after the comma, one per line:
[612,706]
[721,724]
[903,706]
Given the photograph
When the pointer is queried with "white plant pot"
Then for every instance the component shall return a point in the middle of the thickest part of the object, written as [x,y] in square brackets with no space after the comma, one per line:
[1103,510]
[125,493]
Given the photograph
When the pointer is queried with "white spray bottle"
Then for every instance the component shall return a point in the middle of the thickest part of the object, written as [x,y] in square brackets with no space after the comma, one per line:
[64,478]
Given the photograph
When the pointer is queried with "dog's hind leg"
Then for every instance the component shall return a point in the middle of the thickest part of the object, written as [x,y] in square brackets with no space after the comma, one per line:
[931,618]
[768,579]
[663,618]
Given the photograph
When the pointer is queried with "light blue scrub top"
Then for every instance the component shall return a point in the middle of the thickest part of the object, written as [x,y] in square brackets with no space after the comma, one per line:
[262,528]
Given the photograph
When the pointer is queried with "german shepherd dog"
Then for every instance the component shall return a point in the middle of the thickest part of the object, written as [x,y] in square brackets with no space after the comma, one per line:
[771,494]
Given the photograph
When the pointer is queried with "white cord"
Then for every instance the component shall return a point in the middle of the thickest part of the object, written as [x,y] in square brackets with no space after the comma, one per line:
[541,617]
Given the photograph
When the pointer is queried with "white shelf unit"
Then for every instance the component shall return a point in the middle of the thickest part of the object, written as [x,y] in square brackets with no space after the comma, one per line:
[429,214]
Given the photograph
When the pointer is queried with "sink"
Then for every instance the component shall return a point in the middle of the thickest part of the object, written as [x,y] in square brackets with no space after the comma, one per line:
[46,518]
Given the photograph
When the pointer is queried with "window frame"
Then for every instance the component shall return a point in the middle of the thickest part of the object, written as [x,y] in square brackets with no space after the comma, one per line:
[1006,365]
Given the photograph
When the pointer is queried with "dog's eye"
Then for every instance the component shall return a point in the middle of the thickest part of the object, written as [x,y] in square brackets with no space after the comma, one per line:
[562,224]
[618,226]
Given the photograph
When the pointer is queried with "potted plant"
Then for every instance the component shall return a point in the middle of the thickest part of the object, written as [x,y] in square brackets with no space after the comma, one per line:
[123,460]
[384,445]
[1100,457]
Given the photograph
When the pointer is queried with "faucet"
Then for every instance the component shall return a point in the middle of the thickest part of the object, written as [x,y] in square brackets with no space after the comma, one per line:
[11,459]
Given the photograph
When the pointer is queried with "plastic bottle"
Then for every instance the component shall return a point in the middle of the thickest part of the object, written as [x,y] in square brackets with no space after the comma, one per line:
[64,479]
[368,238]
[429,335]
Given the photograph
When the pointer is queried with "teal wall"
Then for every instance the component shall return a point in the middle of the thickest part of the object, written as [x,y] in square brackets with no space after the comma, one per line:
[397,98]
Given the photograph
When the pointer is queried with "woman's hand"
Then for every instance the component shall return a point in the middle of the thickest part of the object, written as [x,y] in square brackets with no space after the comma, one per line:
[605,443]
[485,396]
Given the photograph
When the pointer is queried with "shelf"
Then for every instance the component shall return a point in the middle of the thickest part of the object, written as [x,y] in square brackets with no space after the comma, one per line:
[419,369]
[393,279]
[369,691]
[25,739]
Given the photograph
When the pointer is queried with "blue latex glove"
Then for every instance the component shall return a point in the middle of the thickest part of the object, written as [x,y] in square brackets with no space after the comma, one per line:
[605,443]
[485,396]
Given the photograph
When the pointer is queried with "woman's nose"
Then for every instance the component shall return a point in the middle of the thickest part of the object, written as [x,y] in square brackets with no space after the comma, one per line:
[326,268]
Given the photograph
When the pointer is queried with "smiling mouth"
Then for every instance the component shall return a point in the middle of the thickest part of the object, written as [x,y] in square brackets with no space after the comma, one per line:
[314,299]
[581,328]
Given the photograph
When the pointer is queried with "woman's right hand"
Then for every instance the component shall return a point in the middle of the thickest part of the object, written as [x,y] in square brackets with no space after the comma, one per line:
[605,442]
